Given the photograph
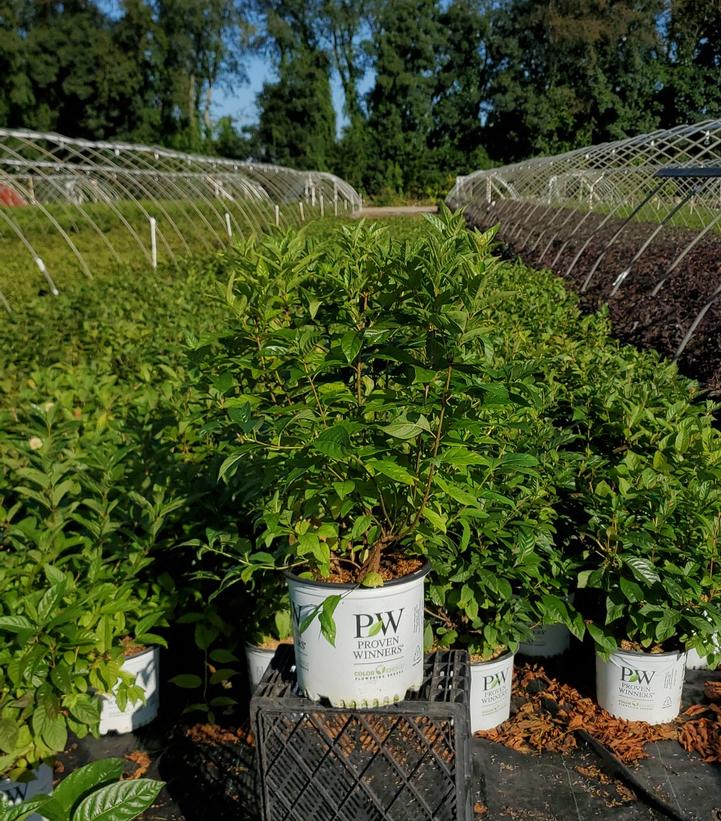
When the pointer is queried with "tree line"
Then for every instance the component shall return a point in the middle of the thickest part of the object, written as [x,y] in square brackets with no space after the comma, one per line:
[432,88]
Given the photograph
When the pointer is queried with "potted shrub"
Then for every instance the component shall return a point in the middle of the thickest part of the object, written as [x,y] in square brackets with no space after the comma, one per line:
[362,409]
[49,663]
[494,580]
[643,561]
[72,577]
[270,625]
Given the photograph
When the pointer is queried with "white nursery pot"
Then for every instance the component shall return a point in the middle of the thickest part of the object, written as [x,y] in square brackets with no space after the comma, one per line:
[491,684]
[13,793]
[548,640]
[258,659]
[696,662]
[641,686]
[144,667]
[361,670]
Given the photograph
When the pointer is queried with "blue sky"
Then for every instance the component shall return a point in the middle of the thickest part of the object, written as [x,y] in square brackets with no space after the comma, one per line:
[240,103]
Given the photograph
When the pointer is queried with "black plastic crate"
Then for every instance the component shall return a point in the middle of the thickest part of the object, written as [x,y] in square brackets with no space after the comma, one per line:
[409,761]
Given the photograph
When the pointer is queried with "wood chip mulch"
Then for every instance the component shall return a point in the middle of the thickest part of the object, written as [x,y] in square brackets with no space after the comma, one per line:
[142,763]
[550,712]
[213,734]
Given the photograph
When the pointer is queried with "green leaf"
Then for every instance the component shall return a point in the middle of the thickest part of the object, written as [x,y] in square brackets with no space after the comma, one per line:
[86,709]
[75,786]
[344,488]
[360,525]
[392,470]
[8,735]
[188,681]
[438,520]
[372,580]
[555,610]
[15,624]
[327,622]
[21,811]
[224,382]
[222,656]
[333,442]
[631,590]
[119,802]
[224,674]
[604,642]
[405,430]
[666,627]
[351,344]
[642,569]
[229,463]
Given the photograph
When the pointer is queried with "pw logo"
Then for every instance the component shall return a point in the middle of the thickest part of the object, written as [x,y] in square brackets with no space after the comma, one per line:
[370,624]
[496,680]
[14,795]
[636,676]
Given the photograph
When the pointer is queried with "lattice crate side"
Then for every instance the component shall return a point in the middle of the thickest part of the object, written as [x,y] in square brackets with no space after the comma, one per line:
[405,762]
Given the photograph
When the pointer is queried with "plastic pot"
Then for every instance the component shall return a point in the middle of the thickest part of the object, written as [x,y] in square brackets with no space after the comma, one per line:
[548,640]
[144,667]
[14,792]
[369,666]
[641,686]
[258,659]
[491,683]
[694,661]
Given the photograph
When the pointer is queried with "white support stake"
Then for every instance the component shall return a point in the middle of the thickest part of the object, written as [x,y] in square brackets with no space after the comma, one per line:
[322,207]
[44,271]
[302,213]
[154,243]
[228,226]
[277,216]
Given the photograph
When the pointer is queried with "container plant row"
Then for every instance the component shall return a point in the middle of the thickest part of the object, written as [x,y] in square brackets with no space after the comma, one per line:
[79,611]
[399,411]
[388,415]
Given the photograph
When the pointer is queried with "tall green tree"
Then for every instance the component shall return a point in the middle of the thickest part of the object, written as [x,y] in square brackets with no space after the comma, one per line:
[692,90]
[15,91]
[200,42]
[296,123]
[456,138]
[567,73]
[400,112]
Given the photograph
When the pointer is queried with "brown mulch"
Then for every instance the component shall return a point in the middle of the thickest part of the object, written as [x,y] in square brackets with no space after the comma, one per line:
[550,712]
[213,734]
[142,763]
[392,567]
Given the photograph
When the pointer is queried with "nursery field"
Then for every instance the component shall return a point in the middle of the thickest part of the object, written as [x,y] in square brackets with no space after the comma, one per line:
[654,307]
[79,243]
[353,402]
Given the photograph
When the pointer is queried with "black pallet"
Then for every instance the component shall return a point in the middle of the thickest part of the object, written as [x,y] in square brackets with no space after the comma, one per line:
[410,761]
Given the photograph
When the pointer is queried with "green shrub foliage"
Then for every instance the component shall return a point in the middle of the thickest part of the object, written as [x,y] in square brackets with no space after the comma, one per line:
[328,400]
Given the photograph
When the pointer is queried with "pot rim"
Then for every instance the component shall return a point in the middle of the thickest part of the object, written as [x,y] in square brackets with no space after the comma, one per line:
[152,648]
[497,660]
[411,577]
[641,654]
[250,646]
